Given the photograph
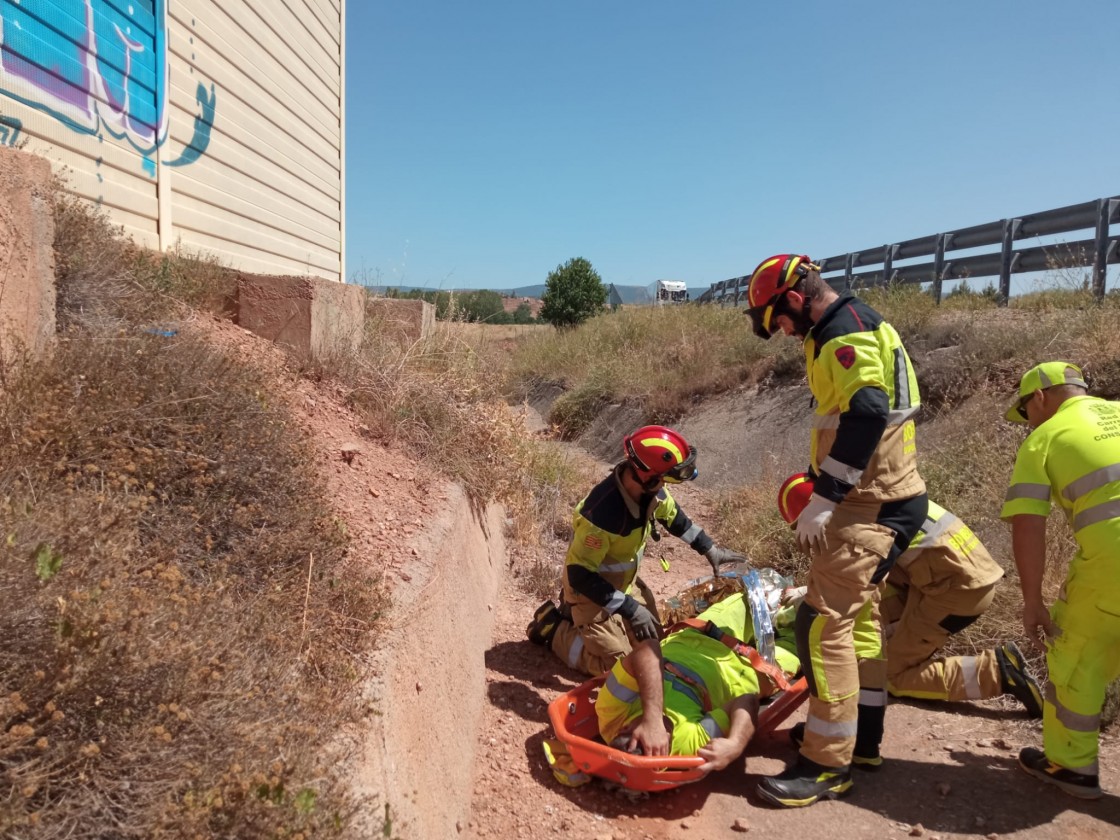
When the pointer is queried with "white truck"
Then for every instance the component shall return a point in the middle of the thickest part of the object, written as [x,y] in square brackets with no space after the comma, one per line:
[670,292]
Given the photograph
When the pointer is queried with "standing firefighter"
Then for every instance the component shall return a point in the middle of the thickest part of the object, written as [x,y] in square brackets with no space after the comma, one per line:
[606,607]
[867,504]
[1072,457]
[940,585]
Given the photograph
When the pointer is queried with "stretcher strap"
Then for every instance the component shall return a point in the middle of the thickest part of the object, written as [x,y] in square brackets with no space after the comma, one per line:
[710,628]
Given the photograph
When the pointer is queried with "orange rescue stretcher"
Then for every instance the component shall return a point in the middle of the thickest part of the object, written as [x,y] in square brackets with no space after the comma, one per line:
[575,723]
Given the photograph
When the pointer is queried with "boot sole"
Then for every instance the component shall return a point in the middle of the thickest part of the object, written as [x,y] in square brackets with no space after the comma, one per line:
[1078,791]
[838,792]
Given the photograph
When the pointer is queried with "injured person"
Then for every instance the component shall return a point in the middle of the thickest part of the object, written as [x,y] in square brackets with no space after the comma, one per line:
[696,692]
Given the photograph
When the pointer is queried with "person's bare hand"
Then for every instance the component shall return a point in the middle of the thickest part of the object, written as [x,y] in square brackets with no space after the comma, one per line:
[651,736]
[717,754]
[1037,623]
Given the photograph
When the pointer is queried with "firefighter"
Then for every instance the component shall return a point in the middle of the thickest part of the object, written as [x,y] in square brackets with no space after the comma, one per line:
[697,682]
[867,504]
[1072,457]
[605,607]
[940,585]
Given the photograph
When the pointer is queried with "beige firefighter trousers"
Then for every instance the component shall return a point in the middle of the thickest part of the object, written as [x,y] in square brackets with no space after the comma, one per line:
[594,639]
[917,625]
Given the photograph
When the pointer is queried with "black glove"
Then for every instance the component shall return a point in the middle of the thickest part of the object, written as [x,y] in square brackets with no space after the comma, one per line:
[641,620]
[721,556]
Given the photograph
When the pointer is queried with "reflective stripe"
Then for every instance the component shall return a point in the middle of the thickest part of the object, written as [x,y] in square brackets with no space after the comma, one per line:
[709,725]
[692,533]
[841,471]
[894,418]
[872,697]
[618,691]
[575,651]
[1095,514]
[1094,480]
[932,531]
[618,567]
[970,677]
[1026,490]
[1069,719]
[616,601]
[684,688]
[831,729]
[901,380]
[1068,378]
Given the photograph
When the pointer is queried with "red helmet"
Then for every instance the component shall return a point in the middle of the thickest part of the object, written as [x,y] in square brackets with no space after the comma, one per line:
[773,278]
[793,495]
[658,451]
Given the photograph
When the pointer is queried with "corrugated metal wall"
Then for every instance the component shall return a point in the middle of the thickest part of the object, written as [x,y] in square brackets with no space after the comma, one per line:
[217,124]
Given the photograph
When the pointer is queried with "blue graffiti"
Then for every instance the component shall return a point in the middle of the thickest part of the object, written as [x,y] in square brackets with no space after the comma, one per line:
[203,123]
[98,67]
[9,130]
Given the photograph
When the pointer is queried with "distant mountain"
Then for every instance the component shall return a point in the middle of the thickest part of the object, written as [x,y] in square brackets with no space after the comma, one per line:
[625,294]
[521,291]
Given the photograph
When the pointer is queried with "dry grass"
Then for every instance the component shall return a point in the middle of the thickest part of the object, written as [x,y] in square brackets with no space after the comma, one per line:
[172,660]
[664,359]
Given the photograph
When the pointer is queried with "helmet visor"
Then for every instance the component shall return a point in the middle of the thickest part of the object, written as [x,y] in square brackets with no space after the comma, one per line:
[684,471]
[762,319]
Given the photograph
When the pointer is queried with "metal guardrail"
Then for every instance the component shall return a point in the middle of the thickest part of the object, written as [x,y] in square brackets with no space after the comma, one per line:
[1097,252]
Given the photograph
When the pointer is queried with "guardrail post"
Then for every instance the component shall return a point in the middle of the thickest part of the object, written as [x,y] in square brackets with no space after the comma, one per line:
[1106,209]
[941,244]
[1010,231]
[849,264]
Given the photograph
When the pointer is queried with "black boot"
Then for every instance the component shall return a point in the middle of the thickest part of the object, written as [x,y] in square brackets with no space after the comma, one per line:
[870,762]
[543,626]
[804,783]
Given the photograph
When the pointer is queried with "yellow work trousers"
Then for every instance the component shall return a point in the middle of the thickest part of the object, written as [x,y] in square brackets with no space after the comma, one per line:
[594,639]
[1082,661]
[917,625]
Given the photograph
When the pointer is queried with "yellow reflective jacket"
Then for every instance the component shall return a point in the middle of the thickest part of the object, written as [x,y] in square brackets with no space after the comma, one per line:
[861,377]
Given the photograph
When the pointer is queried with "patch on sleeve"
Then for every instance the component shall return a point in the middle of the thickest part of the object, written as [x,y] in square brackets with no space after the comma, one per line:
[592,541]
[846,356]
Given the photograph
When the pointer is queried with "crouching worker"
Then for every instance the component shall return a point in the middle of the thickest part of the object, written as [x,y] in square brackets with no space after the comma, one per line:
[606,608]
[695,693]
[941,584]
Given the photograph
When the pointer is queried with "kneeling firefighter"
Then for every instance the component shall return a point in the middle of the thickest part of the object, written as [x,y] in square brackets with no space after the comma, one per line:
[605,607]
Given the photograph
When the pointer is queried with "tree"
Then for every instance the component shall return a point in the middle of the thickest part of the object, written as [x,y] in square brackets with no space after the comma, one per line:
[523,314]
[572,294]
[481,305]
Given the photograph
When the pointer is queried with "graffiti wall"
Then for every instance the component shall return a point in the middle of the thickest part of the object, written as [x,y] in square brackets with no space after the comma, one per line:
[211,125]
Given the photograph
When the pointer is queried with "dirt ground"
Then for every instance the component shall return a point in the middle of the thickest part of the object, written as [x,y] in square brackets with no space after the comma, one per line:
[950,771]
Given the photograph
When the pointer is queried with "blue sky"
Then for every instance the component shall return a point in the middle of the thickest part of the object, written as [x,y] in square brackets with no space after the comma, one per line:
[488,142]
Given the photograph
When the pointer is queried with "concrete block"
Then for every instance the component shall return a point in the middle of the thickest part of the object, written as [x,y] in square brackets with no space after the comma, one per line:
[27,287]
[315,318]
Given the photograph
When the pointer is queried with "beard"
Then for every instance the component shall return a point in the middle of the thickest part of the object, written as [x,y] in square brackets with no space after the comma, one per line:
[802,323]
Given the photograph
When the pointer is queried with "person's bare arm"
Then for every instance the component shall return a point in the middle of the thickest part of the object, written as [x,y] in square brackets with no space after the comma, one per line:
[720,752]
[644,662]
[1028,542]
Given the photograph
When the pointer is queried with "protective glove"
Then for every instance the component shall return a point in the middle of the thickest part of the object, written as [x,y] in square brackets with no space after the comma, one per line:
[721,556]
[643,624]
[812,522]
